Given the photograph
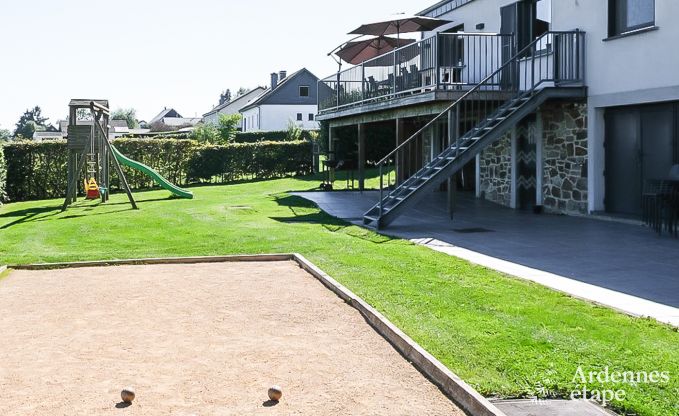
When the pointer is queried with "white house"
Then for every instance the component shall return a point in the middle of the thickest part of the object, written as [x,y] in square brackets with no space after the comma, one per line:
[290,99]
[570,106]
[234,106]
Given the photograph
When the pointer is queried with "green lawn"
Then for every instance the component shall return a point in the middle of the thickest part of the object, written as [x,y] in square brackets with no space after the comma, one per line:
[504,336]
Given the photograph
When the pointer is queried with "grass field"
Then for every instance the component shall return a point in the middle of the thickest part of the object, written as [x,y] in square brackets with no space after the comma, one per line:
[506,337]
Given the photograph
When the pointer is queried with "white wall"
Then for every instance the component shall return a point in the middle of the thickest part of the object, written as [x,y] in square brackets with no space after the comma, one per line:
[276,117]
[637,69]
[478,11]
[251,119]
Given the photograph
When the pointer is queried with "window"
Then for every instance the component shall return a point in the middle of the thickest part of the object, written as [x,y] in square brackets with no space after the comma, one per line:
[628,15]
[311,116]
[299,117]
[303,91]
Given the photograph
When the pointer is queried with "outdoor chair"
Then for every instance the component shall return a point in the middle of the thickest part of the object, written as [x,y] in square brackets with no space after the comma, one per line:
[372,87]
[652,203]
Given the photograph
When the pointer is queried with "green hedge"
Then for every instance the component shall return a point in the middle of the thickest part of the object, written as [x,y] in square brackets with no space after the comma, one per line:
[35,170]
[38,170]
[3,175]
[259,160]
[270,136]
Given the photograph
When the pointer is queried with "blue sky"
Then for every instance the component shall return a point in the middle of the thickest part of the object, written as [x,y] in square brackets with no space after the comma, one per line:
[152,54]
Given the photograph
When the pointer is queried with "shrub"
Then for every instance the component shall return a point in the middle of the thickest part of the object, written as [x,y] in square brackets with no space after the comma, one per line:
[228,127]
[205,133]
[36,170]
[3,175]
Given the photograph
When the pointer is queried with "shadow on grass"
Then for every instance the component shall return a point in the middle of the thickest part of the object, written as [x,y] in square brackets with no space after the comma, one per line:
[29,215]
[35,214]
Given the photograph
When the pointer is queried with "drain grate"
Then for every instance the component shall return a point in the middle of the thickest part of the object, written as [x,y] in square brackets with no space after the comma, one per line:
[472,230]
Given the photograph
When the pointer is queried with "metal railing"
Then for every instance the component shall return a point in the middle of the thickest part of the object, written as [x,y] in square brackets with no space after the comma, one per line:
[554,59]
[446,61]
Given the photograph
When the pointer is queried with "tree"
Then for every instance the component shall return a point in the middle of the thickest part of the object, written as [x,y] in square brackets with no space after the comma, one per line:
[228,126]
[225,97]
[242,91]
[205,133]
[5,135]
[30,122]
[294,131]
[127,114]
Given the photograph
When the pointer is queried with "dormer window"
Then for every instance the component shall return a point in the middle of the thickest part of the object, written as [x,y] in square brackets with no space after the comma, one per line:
[303,91]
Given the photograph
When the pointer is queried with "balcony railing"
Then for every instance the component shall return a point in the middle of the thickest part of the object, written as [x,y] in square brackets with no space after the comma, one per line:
[446,61]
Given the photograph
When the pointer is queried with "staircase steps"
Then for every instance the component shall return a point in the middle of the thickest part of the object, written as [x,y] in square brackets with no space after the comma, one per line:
[452,159]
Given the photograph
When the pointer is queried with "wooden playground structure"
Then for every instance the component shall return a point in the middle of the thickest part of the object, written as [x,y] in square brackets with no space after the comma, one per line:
[90,153]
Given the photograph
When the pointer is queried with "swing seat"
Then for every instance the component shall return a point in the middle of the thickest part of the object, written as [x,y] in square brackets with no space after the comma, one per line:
[92,189]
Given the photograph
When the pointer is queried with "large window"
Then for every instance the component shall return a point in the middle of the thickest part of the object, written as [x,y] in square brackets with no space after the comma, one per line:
[628,15]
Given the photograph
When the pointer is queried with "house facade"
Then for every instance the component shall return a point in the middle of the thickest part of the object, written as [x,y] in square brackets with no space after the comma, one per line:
[233,107]
[565,106]
[290,99]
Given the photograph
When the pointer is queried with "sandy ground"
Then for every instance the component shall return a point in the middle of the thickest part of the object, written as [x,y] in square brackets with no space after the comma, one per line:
[203,339]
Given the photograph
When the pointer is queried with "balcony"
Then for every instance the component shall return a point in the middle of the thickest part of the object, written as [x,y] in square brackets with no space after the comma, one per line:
[446,65]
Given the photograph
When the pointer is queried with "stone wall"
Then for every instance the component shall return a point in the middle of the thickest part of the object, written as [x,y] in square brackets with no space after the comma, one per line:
[564,153]
[495,171]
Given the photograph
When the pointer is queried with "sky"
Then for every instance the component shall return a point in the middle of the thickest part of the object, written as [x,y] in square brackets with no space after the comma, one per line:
[149,54]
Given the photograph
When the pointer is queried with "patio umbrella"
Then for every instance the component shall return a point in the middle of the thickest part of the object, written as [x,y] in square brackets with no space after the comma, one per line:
[359,51]
[401,24]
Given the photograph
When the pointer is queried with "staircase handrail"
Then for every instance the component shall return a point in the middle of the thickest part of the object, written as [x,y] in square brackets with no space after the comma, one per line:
[476,87]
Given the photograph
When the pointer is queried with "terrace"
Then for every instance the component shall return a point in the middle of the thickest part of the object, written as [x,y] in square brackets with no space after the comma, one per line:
[445,66]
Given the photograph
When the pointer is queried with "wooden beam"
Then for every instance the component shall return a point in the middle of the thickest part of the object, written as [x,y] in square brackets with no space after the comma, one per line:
[98,107]
[119,170]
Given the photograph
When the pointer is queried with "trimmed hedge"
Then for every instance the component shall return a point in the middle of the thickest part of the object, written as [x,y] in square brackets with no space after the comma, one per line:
[268,136]
[3,175]
[258,160]
[35,170]
[38,170]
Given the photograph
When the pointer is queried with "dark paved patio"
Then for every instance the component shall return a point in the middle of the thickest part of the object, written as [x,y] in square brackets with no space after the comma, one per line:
[625,258]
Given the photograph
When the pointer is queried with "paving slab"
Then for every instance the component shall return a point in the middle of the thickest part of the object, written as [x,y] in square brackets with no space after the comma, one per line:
[551,407]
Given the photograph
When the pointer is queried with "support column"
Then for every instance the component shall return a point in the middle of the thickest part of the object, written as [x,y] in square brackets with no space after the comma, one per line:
[361,156]
[398,159]
[478,175]
[539,161]
[453,134]
[331,153]
[513,189]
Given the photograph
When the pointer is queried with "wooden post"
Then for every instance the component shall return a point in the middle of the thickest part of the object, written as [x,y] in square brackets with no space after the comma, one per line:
[119,170]
[75,176]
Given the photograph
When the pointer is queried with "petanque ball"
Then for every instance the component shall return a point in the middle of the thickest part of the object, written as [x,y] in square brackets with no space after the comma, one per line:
[127,394]
[275,393]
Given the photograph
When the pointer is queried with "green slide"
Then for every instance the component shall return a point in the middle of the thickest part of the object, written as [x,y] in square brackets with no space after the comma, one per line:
[124,160]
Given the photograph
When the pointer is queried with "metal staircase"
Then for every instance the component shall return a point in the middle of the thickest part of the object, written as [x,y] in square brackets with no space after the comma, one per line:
[551,66]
